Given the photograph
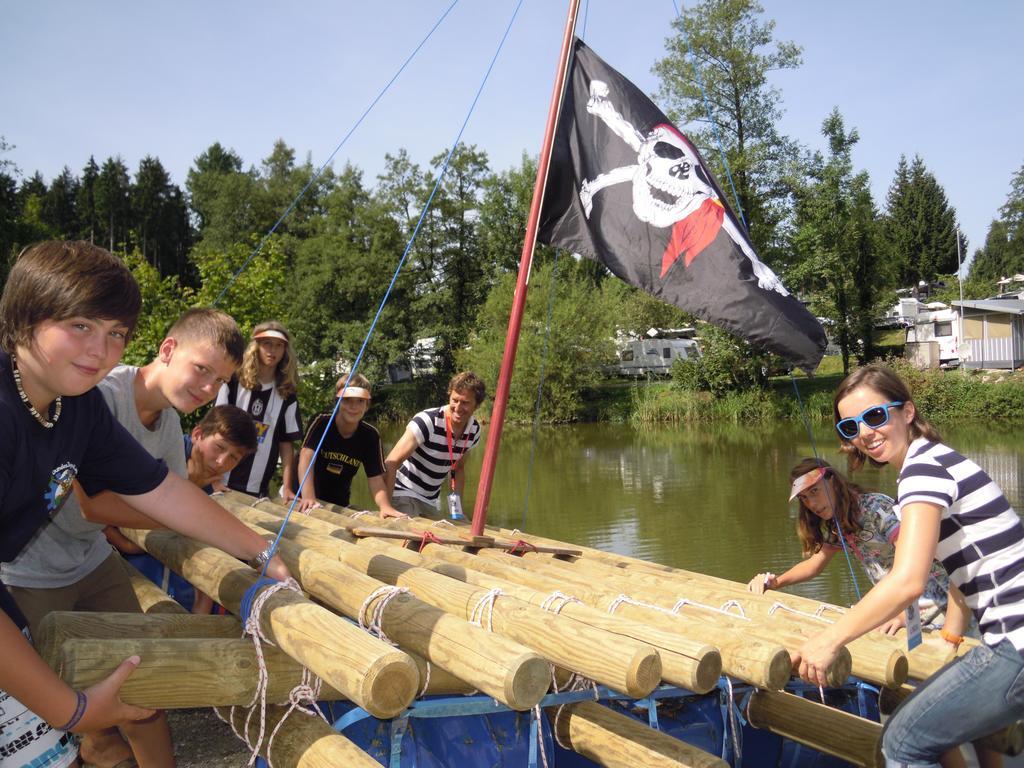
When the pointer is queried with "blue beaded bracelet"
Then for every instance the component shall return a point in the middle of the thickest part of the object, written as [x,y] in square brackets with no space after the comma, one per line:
[83,702]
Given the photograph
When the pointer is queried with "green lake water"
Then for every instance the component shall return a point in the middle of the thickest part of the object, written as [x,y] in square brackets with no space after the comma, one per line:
[708,498]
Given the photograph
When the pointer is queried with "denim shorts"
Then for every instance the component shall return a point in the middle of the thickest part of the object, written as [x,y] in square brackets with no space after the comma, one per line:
[971,697]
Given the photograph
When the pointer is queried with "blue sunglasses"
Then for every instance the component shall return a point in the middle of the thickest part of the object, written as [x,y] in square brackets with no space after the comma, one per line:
[874,417]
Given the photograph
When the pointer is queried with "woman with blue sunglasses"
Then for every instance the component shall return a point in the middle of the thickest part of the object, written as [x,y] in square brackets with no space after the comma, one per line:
[950,509]
[828,504]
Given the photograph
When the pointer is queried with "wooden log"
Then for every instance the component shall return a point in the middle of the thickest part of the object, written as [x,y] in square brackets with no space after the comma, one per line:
[381,679]
[1007,741]
[151,598]
[502,668]
[691,665]
[182,673]
[823,728]
[875,657]
[303,741]
[620,663]
[58,626]
[747,659]
[614,740]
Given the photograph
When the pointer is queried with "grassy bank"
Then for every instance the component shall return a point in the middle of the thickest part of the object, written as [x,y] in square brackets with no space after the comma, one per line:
[943,395]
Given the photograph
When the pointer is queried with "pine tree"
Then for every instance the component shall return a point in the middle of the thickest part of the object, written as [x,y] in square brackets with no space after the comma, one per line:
[735,49]
[920,226]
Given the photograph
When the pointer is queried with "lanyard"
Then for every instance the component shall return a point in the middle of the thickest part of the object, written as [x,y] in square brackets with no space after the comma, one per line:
[451,448]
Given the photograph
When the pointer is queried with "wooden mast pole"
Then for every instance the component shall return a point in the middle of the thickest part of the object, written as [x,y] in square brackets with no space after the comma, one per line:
[483,492]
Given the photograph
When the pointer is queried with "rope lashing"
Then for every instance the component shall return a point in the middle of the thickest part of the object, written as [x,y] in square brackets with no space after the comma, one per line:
[674,610]
[816,615]
[734,728]
[484,609]
[428,537]
[426,681]
[302,697]
[723,610]
[379,599]
[556,601]
[521,547]
[733,604]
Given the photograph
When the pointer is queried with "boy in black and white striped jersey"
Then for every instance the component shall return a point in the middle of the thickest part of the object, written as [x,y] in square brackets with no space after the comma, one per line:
[434,447]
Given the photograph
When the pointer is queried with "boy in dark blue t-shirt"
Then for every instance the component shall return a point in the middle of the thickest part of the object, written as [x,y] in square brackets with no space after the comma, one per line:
[67,311]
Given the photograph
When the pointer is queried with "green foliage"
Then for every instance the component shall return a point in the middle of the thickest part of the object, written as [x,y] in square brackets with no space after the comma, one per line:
[963,395]
[1003,252]
[727,364]
[339,280]
[736,50]
[579,342]
[163,300]
[920,227]
[836,250]
[259,293]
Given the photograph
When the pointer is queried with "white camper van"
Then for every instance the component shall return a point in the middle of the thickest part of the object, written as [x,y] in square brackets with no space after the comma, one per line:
[654,357]
[937,323]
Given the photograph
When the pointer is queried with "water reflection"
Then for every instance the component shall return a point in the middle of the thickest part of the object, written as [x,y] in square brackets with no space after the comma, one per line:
[705,498]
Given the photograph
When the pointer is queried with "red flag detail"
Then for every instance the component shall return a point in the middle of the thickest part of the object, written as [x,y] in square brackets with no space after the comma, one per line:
[693,234]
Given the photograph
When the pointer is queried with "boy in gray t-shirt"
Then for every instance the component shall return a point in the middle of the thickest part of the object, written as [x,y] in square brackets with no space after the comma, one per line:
[70,565]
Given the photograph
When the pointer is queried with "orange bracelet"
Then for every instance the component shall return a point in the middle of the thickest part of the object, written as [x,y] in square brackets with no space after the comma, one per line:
[950,638]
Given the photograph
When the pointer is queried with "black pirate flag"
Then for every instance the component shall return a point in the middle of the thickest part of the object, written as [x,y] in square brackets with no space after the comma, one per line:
[626,188]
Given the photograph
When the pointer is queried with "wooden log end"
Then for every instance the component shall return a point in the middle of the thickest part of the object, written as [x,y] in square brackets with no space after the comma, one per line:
[644,672]
[390,685]
[708,671]
[778,670]
[897,670]
[840,670]
[527,681]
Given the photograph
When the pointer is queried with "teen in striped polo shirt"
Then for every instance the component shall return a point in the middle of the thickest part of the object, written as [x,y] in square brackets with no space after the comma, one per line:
[951,510]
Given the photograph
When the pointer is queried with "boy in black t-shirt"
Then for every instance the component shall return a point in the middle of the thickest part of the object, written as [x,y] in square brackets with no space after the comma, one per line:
[67,311]
[349,443]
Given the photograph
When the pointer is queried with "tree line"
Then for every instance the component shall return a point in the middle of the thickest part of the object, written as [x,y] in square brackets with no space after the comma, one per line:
[325,269]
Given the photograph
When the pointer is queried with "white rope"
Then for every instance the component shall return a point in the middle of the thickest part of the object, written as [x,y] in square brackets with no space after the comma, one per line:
[426,680]
[733,604]
[556,601]
[443,523]
[484,610]
[374,624]
[301,692]
[733,725]
[537,715]
[783,607]
[684,602]
[356,514]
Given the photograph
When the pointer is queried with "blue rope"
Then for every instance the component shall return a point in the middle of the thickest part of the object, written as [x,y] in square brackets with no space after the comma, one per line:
[711,117]
[586,14]
[398,269]
[330,158]
[827,486]
[540,390]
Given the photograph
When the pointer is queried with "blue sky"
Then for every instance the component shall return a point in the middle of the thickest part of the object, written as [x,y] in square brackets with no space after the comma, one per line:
[940,79]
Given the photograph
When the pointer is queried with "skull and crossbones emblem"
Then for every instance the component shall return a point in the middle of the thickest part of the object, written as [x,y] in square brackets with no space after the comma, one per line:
[670,188]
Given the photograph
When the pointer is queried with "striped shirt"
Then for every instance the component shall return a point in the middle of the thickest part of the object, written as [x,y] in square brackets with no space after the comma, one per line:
[277,421]
[981,539]
[423,473]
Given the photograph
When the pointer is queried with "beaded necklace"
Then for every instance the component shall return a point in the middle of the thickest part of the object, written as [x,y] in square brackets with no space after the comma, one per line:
[48,423]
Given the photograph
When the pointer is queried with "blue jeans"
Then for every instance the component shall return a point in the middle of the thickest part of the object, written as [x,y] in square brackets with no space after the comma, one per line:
[971,697]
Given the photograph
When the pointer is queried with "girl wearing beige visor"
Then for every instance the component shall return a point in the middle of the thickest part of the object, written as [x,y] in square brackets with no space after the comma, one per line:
[828,502]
